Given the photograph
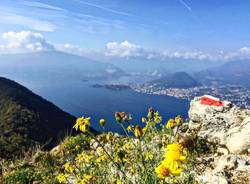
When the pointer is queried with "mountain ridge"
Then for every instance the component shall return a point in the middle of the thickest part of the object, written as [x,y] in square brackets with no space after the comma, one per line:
[56,65]
[27,119]
[235,72]
[176,80]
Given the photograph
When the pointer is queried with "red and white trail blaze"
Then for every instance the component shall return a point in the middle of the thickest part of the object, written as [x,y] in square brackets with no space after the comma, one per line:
[210,100]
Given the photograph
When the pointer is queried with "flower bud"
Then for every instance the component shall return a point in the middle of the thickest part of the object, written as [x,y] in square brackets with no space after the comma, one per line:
[150,113]
[102,122]
[118,117]
[138,131]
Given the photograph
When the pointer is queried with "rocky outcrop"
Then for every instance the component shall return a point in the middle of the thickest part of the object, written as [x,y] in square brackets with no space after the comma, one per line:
[227,127]
[224,169]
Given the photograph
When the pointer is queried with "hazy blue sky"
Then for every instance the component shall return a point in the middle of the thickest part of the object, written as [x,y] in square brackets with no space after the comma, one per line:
[204,25]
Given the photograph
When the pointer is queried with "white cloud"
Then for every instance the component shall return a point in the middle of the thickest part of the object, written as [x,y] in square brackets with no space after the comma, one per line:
[127,49]
[242,53]
[69,48]
[73,49]
[245,50]
[28,41]
[24,41]
[188,55]
[123,49]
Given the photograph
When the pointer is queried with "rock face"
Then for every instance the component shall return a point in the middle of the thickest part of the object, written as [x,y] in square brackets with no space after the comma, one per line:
[226,169]
[227,127]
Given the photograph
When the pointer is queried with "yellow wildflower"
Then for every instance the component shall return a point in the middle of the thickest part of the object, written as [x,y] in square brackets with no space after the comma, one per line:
[80,157]
[161,171]
[129,128]
[82,124]
[145,129]
[158,118]
[195,181]
[62,178]
[87,177]
[138,131]
[101,159]
[128,146]
[117,159]
[170,124]
[83,157]
[79,181]
[175,157]
[178,120]
[68,167]
[126,160]
[102,122]
[133,169]
[143,120]
[175,152]
[175,167]
[88,158]
[108,136]
[148,156]
[116,181]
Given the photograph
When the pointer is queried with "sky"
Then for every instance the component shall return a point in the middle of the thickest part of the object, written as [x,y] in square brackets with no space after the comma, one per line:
[175,28]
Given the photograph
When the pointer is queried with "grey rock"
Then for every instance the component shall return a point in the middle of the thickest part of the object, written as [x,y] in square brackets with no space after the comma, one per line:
[227,169]
[227,127]
[223,125]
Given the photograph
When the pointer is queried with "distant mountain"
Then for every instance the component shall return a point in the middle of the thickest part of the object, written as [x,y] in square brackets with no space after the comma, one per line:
[27,119]
[56,66]
[176,80]
[157,67]
[233,72]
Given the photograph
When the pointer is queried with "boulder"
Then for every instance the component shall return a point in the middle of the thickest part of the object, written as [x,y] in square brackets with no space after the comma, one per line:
[238,138]
[226,125]
[227,128]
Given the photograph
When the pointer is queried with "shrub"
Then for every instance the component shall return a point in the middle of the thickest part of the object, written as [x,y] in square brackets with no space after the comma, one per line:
[145,155]
[152,153]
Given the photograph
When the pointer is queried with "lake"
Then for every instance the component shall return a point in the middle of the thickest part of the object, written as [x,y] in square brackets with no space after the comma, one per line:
[80,99]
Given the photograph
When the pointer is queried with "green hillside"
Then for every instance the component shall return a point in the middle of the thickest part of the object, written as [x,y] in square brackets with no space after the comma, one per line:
[26,119]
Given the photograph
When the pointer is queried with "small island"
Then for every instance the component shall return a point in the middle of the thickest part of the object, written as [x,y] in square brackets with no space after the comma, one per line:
[113,87]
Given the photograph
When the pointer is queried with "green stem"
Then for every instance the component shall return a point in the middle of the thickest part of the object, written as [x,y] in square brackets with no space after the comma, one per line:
[127,134]
[149,123]
[124,130]
[106,152]
[176,132]
[142,160]
[110,157]
[140,147]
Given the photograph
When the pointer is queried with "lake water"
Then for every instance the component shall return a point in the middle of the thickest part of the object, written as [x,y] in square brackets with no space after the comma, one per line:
[80,99]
